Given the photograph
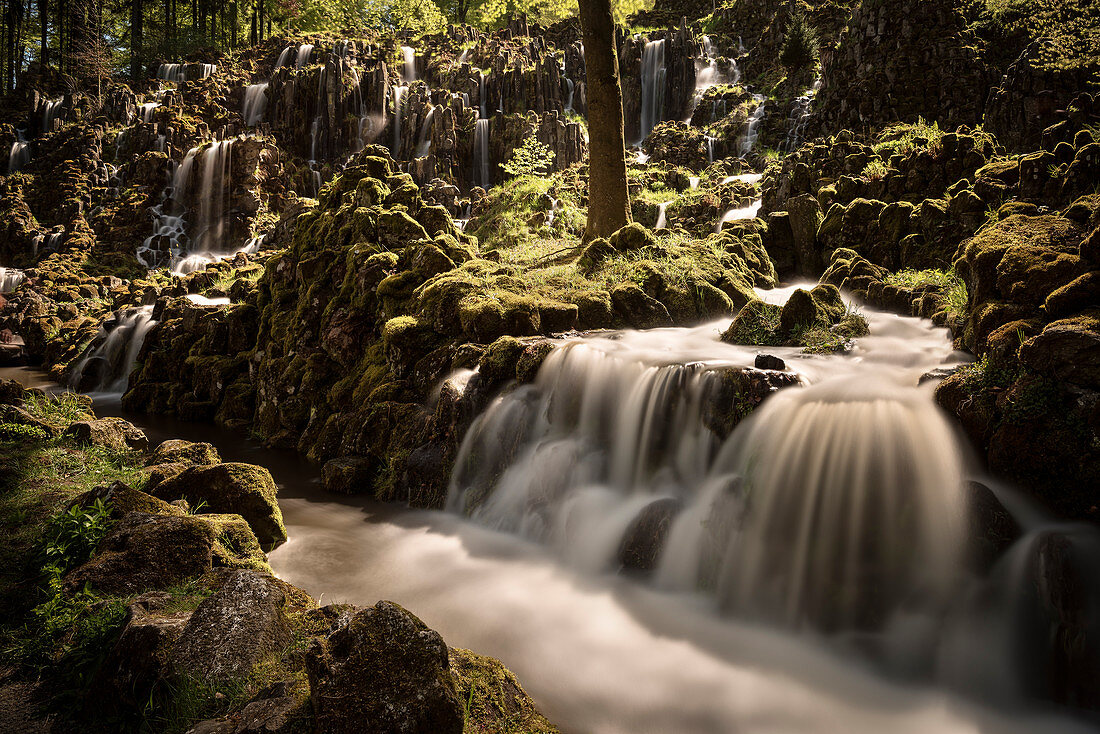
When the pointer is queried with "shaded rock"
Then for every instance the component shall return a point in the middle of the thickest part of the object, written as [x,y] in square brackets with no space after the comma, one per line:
[496,700]
[184,452]
[243,489]
[383,671]
[645,538]
[992,529]
[1068,350]
[123,499]
[114,433]
[348,475]
[232,630]
[638,309]
[769,362]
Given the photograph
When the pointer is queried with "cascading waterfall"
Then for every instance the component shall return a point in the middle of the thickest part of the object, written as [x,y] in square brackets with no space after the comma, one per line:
[255,104]
[424,143]
[398,116]
[482,107]
[711,142]
[305,51]
[284,57]
[662,222]
[10,278]
[109,360]
[20,153]
[738,213]
[481,145]
[653,72]
[752,130]
[799,118]
[408,70]
[147,111]
[50,110]
[190,220]
[177,73]
[834,505]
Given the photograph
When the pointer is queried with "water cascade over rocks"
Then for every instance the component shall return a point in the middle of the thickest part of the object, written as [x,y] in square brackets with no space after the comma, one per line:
[408,70]
[255,104]
[653,87]
[19,155]
[305,52]
[10,278]
[481,145]
[836,505]
[752,130]
[110,358]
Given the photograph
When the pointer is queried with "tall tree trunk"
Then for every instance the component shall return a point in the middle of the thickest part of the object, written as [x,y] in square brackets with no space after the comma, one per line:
[252,33]
[44,16]
[261,23]
[608,201]
[137,15]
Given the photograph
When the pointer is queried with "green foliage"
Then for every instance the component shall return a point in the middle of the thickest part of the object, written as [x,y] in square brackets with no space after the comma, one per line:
[1070,29]
[19,432]
[952,286]
[71,537]
[906,139]
[800,48]
[876,170]
[533,158]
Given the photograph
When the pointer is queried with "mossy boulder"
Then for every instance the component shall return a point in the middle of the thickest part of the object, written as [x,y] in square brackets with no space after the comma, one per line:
[184,452]
[243,489]
[112,433]
[632,237]
[820,305]
[123,499]
[349,474]
[146,552]
[495,699]
[382,671]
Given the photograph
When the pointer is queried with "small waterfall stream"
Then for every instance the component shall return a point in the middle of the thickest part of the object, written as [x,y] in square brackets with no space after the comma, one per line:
[20,153]
[481,147]
[255,104]
[10,278]
[653,72]
[110,358]
[408,71]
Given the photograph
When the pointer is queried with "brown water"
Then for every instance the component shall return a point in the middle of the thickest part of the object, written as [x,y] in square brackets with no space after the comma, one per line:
[599,653]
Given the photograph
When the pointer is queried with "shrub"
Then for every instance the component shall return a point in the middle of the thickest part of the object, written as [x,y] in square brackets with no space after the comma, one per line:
[800,47]
[533,158]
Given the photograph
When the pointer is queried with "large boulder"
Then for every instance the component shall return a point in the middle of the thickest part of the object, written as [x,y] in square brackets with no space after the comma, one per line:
[243,489]
[383,671]
[232,630]
[113,433]
[184,452]
[149,551]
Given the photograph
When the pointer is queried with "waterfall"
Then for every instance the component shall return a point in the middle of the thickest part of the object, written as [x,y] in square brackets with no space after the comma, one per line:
[481,146]
[424,144]
[481,94]
[398,115]
[189,222]
[255,104]
[833,505]
[20,154]
[10,278]
[693,182]
[305,51]
[739,213]
[653,87]
[570,88]
[147,111]
[284,57]
[799,118]
[710,141]
[170,72]
[752,130]
[50,110]
[408,71]
[662,223]
[110,358]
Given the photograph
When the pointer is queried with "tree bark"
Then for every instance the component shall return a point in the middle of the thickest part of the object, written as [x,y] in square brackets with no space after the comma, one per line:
[44,16]
[137,15]
[608,201]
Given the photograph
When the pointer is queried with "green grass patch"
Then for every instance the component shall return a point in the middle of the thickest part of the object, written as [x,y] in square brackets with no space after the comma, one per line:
[953,287]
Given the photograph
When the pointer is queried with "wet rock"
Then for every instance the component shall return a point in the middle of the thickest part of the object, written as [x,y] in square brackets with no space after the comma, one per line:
[735,392]
[114,433]
[992,529]
[348,475]
[232,630]
[383,671]
[645,538]
[243,489]
[496,700]
[769,362]
[183,452]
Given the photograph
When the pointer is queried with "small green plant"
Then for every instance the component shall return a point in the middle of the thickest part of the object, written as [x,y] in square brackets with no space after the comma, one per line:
[876,170]
[800,49]
[21,433]
[951,285]
[72,536]
[533,158]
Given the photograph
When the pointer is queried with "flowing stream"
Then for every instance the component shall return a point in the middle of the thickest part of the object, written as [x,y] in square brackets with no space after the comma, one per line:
[850,476]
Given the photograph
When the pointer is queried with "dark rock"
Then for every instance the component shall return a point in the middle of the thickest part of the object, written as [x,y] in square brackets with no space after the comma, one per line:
[645,538]
[348,475]
[769,362]
[383,672]
[243,489]
[232,630]
[184,452]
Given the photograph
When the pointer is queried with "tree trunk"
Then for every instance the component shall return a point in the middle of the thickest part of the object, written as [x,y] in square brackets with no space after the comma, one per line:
[136,18]
[44,16]
[608,201]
